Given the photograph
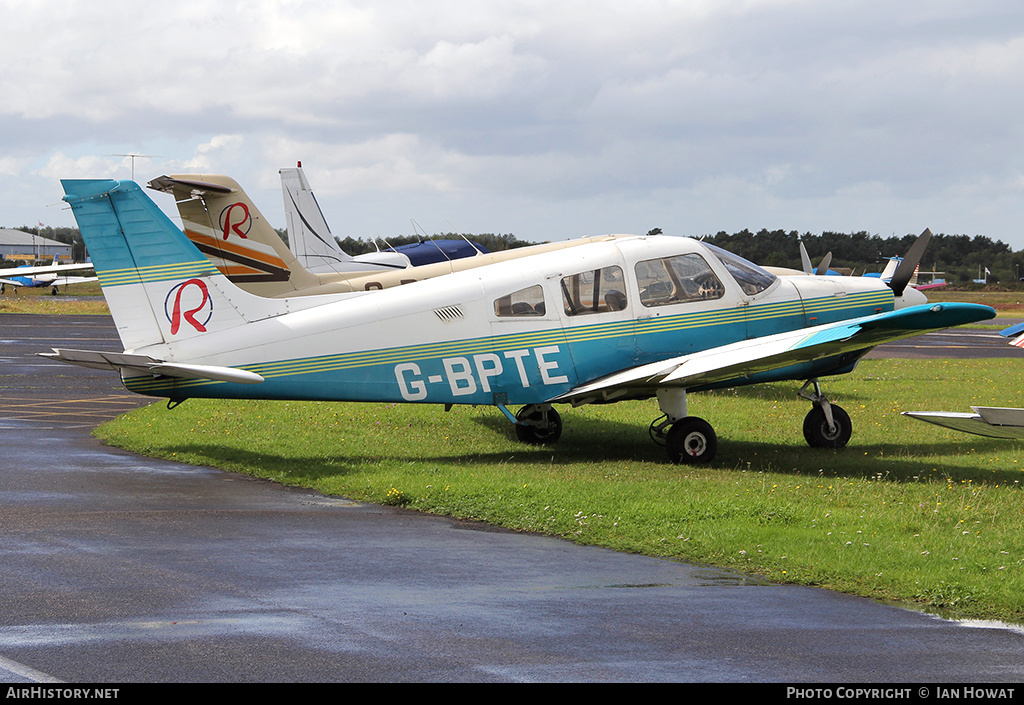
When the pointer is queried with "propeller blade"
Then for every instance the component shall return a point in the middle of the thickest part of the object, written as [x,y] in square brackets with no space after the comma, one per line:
[804,259]
[823,265]
[906,268]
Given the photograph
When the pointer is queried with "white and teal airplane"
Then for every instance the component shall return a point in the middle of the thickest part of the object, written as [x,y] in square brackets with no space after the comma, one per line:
[622,318]
[52,275]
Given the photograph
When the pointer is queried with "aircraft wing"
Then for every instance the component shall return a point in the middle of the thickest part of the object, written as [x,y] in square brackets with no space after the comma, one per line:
[45,269]
[64,281]
[135,365]
[788,355]
[985,421]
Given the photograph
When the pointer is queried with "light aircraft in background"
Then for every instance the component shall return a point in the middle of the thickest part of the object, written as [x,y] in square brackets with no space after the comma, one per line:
[991,421]
[51,275]
[311,241]
[626,318]
[223,222]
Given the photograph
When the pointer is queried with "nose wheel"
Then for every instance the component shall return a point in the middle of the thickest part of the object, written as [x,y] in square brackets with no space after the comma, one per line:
[826,425]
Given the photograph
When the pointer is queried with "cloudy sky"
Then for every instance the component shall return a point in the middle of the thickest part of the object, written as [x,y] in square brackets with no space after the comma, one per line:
[547,119]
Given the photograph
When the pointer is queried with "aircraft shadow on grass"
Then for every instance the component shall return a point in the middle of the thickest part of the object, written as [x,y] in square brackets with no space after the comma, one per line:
[600,441]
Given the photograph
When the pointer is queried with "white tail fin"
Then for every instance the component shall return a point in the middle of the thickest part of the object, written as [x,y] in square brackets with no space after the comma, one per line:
[310,238]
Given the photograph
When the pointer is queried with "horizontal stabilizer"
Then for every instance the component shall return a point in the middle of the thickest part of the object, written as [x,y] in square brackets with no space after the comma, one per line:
[135,365]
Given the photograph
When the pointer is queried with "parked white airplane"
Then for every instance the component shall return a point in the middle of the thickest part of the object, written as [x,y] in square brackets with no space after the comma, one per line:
[44,275]
[626,318]
[223,222]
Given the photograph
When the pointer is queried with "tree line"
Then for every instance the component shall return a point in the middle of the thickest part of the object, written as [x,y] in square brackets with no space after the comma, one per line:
[960,258]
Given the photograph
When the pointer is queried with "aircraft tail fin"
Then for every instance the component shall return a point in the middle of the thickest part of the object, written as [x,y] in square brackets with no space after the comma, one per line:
[159,287]
[223,222]
[309,236]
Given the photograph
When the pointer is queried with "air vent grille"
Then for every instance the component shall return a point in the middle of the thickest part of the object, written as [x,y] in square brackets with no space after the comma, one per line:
[449,313]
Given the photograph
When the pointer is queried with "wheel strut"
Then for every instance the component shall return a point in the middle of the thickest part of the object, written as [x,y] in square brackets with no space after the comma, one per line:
[827,425]
[818,399]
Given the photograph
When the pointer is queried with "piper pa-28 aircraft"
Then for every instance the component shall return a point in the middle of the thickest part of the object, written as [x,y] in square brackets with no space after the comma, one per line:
[625,318]
[44,275]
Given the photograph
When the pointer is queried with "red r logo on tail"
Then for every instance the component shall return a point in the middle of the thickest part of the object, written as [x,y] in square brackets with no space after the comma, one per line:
[175,314]
[235,219]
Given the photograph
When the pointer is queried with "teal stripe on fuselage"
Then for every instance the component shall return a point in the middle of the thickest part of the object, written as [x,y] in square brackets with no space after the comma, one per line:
[534,366]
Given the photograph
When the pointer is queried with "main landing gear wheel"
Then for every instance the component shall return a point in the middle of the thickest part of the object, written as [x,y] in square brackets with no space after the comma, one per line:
[820,434]
[691,440]
[538,425]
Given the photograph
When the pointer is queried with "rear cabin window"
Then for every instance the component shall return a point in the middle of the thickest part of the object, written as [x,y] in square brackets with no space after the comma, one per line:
[673,280]
[525,302]
[596,291]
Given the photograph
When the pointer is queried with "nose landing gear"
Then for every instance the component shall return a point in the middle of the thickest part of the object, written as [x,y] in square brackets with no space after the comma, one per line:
[826,425]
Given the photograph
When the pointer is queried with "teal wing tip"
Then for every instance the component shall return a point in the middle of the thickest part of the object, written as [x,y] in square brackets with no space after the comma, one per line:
[962,312]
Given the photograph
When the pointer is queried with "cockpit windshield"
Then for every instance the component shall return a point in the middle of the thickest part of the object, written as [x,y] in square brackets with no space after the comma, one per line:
[751,278]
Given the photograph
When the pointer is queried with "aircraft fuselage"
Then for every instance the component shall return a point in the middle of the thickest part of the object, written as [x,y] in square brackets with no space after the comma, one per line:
[517,332]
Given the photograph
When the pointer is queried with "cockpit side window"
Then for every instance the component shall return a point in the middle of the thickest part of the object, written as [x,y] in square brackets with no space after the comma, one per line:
[751,278]
[525,302]
[673,280]
[595,291]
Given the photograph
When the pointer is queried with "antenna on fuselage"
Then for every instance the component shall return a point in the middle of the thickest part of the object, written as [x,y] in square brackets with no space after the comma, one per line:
[460,234]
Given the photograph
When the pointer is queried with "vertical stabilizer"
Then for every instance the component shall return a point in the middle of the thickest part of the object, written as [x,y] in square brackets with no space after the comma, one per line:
[309,236]
[223,222]
[159,287]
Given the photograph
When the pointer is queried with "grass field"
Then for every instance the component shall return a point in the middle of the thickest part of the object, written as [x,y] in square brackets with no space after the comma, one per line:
[85,298]
[907,512]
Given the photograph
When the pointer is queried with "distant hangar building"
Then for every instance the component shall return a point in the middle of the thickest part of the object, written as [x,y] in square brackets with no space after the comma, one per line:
[20,246]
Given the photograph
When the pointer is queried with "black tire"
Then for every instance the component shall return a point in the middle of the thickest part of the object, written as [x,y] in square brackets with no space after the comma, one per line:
[817,432]
[544,427]
[691,441]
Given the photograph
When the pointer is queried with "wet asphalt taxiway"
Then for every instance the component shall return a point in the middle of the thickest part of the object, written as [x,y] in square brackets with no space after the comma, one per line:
[117,568]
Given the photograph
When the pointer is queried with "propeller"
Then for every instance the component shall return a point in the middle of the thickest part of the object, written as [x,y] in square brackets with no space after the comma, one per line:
[805,260]
[905,270]
[823,265]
